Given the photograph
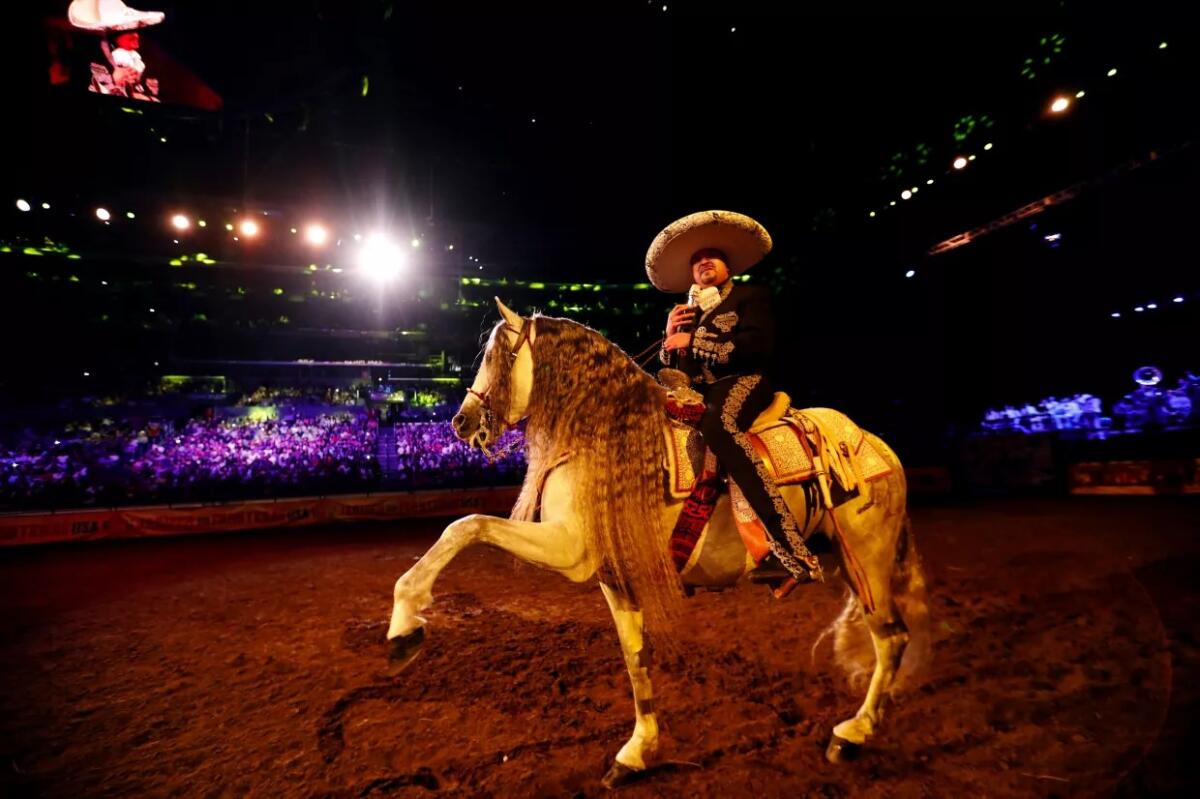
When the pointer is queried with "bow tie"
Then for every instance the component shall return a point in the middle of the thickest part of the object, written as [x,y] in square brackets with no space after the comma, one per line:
[707,297]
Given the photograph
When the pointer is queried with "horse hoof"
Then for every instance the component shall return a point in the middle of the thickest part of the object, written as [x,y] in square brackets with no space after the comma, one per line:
[403,648]
[841,751]
[619,775]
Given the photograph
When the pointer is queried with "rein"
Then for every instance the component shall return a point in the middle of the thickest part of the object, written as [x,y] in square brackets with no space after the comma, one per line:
[485,399]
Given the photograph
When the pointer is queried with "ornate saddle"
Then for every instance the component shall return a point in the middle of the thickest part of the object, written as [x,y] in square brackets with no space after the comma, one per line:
[795,446]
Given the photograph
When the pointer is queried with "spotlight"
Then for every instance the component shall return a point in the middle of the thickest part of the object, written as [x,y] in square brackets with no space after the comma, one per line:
[915,189]
[1079,95]
[416,242]
[229,226]
[23,205]
[380,258]
[45,206]
[1177,299]
[960,163]
[248,228]
[1115,314]
[972,157]
[1139,309]
[316,235]
[1112,72]
[910,273]
[130,215]
[872,214]
[1153,306]
[202,223]
[906,194]
[929,182]
[103,215]
[1060,104]
[181,222]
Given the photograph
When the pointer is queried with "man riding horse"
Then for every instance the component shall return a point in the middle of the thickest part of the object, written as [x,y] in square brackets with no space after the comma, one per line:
[722,339]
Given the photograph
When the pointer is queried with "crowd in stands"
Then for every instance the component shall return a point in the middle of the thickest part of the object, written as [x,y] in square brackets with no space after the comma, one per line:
[223,456]
[1081,411]
[429,456]
[204,460]
[264,395]
[1149,406]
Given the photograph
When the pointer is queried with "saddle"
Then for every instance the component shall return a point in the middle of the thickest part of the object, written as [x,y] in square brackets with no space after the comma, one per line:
[795,445]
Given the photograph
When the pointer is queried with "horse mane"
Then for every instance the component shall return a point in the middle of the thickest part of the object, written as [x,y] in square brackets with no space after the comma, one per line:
[590,401]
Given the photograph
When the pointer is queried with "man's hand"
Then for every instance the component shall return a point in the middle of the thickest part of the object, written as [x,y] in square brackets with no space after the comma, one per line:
[680,315]
[677,341]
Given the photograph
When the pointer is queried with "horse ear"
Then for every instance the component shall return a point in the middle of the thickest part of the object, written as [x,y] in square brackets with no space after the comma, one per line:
[512,317]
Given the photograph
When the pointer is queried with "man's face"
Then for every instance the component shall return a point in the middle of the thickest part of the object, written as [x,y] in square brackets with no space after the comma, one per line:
[709,267]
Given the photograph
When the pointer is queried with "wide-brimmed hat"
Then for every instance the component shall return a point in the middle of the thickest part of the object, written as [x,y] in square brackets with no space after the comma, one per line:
[110,15]
[668,261]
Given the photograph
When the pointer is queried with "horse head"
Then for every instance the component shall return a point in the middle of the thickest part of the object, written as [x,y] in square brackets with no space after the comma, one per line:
[499,397]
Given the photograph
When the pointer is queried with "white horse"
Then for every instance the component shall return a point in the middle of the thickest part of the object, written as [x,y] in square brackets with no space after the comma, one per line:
[570,382]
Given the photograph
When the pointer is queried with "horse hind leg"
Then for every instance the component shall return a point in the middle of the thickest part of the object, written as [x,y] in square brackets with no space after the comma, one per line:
[889,635]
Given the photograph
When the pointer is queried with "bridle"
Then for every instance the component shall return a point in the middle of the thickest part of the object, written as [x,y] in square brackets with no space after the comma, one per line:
[487,423]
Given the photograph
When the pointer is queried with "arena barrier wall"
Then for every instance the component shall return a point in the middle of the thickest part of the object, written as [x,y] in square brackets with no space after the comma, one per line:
[1180,476]
[161,520]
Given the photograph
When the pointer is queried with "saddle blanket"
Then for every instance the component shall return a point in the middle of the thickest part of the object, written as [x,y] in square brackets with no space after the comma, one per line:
[787,448]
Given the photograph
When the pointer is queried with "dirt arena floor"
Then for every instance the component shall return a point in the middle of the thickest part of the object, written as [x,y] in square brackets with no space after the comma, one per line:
[1065,664]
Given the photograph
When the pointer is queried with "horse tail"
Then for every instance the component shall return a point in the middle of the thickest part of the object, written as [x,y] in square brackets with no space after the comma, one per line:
[854,651]
[911,596]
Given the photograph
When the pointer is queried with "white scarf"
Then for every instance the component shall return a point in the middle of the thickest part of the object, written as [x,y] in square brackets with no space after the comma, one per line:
[707,297]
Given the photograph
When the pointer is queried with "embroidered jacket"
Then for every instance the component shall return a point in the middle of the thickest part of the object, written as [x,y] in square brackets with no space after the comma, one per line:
[734,338]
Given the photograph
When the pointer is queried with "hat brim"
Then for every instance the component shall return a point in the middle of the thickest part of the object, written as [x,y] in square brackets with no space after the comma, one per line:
[668,261]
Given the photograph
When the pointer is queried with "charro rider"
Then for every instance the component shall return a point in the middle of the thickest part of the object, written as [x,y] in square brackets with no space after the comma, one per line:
[723,339]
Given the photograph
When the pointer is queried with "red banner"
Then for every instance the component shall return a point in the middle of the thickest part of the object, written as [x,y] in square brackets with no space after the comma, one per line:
[1136,477]
[83,525]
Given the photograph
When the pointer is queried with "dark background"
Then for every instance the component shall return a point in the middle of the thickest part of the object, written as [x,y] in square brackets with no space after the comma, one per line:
[422,121]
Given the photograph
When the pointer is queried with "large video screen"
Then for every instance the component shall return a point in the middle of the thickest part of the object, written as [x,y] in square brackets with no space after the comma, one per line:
[107,48]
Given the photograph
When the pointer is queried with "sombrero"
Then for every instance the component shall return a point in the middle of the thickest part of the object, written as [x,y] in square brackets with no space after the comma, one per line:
[109,16]
[668,261]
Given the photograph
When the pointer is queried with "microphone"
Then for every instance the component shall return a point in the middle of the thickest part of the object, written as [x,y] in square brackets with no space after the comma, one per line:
[690,326]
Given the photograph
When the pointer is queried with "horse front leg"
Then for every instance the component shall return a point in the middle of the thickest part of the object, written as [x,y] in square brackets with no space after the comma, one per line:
[550,545]
[636,650]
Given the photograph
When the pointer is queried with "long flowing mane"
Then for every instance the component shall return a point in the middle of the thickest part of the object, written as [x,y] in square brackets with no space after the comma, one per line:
[591,401]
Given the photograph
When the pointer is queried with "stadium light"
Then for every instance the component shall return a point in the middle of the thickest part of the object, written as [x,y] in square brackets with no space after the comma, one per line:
[248,228]
[960,163]
[381,258]
[910,273]
[180,222]
[906,194]
[1060,104]
[103,215]
[316,235]
[23,205]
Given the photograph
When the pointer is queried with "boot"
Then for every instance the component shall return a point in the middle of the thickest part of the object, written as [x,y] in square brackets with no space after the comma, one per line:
[769,570]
